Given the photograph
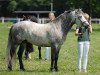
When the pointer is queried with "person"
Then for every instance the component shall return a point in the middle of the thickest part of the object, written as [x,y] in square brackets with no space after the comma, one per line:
[29,46]
[51,18]
[83,43]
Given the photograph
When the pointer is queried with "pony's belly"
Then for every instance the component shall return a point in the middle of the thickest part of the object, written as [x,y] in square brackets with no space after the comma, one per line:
[40,42]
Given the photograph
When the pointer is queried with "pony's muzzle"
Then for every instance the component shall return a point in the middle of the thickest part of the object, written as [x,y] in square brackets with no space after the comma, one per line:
[86,24]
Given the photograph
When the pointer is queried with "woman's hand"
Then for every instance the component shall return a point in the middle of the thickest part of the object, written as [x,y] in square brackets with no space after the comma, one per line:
[90,28]
[77,32]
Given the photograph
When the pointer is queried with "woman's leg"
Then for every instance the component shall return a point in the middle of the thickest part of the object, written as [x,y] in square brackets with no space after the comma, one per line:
[29,50]
[85,54]
[80,52]
[47,53]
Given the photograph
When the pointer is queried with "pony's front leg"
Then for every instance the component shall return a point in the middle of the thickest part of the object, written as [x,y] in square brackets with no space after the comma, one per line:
[52,58]
[39,48]
[20,53]
[56,58]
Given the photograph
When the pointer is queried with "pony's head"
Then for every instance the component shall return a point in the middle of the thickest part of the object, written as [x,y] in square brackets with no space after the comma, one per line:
[78,18]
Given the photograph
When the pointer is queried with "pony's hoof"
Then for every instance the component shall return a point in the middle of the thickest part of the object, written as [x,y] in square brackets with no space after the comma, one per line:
[40,58]
[56,69]
[52,69]
[9,68]
[22,69]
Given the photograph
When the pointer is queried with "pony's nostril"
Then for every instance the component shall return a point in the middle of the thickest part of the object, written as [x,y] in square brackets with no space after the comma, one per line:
[86,26]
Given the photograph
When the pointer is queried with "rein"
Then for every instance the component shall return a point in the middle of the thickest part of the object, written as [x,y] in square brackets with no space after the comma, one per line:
[81,21]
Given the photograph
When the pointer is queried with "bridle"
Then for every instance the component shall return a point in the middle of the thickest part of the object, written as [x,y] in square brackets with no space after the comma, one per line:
[83,23]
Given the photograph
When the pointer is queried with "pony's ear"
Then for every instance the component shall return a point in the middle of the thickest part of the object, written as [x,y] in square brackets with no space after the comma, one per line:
[77,11]
[68,11]
[80,9]
[65,11]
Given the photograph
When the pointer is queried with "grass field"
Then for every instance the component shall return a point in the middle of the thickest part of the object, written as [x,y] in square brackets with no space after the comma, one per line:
[67,58]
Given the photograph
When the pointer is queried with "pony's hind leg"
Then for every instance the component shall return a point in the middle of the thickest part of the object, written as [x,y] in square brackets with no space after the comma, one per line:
[20,52]
[12,53]
[39,48]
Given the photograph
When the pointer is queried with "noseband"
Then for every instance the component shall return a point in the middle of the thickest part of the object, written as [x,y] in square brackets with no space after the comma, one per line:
[82,22]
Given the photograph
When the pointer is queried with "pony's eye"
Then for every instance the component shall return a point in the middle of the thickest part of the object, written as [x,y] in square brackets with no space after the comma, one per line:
[79,16]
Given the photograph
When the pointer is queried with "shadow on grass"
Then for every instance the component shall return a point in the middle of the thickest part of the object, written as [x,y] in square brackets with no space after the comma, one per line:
[25,71]
[96,29]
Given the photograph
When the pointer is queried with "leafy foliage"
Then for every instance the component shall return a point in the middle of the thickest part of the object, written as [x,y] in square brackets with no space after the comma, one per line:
[88,6]
[12,6]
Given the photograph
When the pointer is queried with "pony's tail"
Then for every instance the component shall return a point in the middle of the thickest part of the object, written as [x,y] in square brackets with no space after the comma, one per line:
[8,50]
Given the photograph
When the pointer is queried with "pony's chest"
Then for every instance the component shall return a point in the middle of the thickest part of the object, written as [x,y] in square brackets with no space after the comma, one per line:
[56,36]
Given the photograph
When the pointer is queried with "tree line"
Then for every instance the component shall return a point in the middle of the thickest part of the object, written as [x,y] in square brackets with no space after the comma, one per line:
[7,7]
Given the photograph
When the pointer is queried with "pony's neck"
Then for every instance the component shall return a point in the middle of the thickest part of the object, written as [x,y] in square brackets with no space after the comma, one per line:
[66,22]
[66,26]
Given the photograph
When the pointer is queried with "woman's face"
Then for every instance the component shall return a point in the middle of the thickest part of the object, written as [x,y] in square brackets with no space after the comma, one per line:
[51,16]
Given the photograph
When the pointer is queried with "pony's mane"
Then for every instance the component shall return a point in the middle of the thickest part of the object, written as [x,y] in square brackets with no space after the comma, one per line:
[62,16]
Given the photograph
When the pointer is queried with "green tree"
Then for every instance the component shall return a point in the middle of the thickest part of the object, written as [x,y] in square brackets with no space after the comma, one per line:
[12,5]
[32,4]
[8,6]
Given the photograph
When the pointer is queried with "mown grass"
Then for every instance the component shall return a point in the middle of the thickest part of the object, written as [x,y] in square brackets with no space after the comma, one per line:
[67,57]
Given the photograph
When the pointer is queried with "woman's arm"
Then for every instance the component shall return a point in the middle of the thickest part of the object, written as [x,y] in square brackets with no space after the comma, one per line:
[77,33]
[90,26]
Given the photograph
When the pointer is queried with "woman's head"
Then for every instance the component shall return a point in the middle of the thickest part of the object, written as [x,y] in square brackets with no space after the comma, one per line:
[51,16]
[87,17]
